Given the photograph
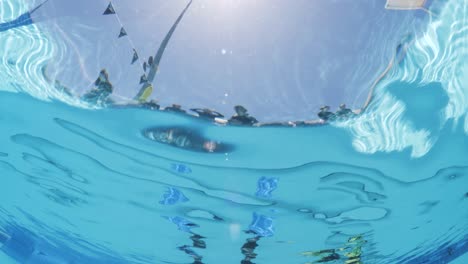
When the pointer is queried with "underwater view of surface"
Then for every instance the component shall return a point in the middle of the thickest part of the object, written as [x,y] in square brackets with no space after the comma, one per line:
[98,171]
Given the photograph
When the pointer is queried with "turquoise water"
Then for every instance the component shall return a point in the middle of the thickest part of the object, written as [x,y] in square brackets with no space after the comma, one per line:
[89,185]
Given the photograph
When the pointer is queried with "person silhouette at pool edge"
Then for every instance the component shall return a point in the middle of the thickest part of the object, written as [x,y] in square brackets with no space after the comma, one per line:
[206,113]
[151,104]
[242,118]
[175,108]
[100,94]
[344,112]
[325,114]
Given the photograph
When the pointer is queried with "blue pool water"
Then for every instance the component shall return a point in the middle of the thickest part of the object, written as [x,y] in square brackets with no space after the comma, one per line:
[86,184]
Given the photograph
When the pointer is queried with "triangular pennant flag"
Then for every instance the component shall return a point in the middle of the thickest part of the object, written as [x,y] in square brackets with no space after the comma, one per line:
[135,56]
[150,61]
[143,79]
[109,10]
[122,32]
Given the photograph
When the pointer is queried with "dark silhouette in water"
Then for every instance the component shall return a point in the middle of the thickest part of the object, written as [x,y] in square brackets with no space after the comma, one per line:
[248,250]
[199,243]
[23,20]
[186,138]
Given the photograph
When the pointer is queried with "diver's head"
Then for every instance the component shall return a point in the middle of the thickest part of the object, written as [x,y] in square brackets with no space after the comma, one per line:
[210,146]
[240,110]
[103,75]
[342,106]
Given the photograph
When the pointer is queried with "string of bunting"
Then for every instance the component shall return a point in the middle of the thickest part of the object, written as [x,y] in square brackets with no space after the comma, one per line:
[110,10]
[152,65]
